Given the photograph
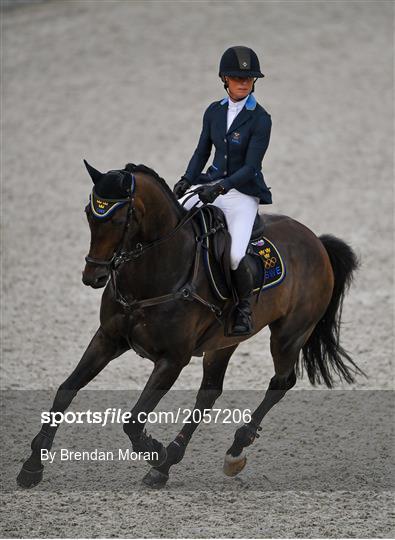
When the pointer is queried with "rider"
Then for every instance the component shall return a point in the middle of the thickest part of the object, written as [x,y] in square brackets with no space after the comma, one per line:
[239,128]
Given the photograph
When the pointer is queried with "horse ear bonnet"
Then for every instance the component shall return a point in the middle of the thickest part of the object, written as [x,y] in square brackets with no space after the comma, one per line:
[114,185]
[112,191]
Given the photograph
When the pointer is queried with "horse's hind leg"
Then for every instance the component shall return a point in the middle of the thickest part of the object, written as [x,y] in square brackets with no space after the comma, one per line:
[285,348]
[99,352]
[215,364]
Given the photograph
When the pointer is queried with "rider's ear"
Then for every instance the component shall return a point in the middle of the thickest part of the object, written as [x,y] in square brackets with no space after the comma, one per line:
[93,173]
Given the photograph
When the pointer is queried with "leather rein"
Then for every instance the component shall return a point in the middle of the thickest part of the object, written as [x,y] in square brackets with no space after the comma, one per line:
[122,256]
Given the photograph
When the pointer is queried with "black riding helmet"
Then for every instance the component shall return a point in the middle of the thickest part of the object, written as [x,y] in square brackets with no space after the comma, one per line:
[239,62]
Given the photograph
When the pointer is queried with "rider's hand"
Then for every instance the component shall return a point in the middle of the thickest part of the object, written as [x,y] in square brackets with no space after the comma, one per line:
[181,187]
[208,194]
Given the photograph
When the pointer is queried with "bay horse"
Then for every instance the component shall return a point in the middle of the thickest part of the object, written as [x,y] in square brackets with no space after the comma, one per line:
[144,252]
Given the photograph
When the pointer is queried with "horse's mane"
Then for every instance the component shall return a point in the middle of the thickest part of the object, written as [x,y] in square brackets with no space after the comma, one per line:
[131,167]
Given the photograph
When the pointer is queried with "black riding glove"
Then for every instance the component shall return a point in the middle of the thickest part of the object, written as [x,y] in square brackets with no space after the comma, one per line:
[208,194]
[181,187]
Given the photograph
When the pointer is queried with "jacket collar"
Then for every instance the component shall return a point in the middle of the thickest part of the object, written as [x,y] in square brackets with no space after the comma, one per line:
[250,103]
[243,115]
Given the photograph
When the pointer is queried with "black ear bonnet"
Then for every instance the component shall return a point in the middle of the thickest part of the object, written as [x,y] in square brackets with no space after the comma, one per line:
[110,191]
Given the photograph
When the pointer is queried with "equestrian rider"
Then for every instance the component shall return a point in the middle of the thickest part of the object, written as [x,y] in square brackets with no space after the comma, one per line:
[239,128]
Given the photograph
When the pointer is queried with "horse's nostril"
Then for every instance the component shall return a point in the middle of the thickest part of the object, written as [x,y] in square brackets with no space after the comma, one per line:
[101,280]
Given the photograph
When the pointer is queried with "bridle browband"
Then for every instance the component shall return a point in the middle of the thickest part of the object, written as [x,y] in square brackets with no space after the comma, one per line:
[122,256]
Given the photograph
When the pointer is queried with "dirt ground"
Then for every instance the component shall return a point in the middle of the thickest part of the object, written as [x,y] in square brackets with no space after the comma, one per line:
[120,81]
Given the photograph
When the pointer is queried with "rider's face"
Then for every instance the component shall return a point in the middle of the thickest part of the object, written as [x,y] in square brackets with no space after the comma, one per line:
[239,87]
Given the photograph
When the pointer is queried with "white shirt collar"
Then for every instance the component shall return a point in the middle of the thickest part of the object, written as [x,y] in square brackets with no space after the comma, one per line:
[237,105]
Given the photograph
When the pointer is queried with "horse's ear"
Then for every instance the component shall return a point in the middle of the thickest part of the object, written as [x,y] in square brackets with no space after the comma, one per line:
[93,173]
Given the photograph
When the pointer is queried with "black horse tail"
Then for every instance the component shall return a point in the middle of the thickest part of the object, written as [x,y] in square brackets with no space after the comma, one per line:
[322,355]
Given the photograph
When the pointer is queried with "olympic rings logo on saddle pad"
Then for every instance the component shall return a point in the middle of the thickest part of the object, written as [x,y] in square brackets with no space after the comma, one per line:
[274,268]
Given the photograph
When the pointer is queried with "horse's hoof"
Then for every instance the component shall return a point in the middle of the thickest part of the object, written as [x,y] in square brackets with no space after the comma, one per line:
[160,460]
[234,465]
[28,479]
[155,479]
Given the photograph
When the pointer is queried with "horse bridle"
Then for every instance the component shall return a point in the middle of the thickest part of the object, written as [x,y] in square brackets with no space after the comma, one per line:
[121,256]
[108,263]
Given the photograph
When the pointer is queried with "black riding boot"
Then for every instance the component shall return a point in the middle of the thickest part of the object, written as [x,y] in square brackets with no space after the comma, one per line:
[243,281]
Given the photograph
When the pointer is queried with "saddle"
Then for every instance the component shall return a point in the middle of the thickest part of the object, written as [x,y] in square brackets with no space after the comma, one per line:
[264,258]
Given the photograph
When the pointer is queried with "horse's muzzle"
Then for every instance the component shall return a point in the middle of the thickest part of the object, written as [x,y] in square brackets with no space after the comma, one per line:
[96,279]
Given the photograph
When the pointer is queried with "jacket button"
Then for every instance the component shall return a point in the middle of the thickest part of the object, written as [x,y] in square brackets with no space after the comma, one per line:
[225,139]
[225,156]
[225,173]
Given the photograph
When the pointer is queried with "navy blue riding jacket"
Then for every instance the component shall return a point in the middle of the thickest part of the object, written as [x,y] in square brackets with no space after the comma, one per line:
[238,151]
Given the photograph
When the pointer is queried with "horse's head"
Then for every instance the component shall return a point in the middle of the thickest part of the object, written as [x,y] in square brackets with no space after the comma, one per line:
[109,214]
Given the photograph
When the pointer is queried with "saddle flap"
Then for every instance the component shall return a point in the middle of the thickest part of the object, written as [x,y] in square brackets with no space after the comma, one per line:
[217,242]
[221,239]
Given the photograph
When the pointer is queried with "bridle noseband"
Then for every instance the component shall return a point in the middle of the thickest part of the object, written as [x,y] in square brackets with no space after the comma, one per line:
[98,262]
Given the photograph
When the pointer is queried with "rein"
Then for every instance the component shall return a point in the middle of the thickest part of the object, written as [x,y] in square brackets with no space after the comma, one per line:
[127,256]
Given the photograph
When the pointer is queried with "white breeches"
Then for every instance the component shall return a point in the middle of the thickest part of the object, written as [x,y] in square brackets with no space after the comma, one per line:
[240,211]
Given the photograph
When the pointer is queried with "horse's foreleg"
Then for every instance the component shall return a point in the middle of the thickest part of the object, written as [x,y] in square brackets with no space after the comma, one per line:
[215,364]
[285,352]
[99,352]
[162,378]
